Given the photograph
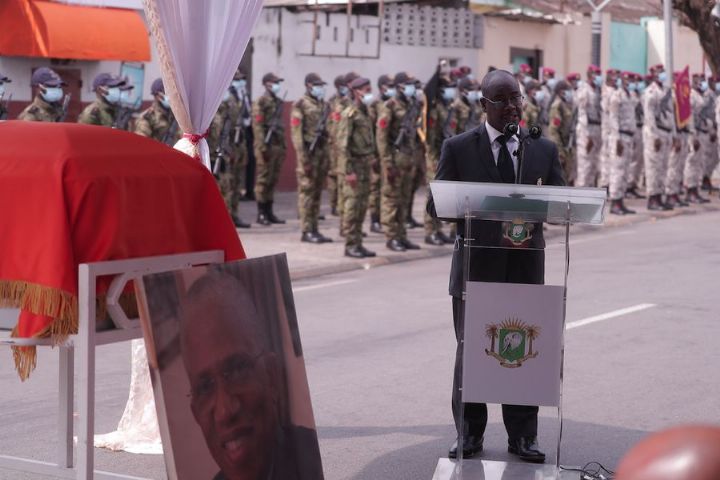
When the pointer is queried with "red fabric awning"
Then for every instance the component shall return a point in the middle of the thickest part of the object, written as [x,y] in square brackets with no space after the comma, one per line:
[42,28]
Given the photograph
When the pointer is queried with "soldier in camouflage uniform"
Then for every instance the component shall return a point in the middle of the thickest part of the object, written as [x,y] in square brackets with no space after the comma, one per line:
[703,124]
[531,107]
[157,121]
[621,128]
[657,136]
[357,152]
[3,96]
[103,110]
[47,106]
[269,136]
[468,110]
[386,86]
[337,102]
[684,144]
[419,170]
[606,93]
[713,157]
[227,149]
[636,164]
[340,175]
[397,142]
[441,124]
[308,125]
[589,140]
[561,119]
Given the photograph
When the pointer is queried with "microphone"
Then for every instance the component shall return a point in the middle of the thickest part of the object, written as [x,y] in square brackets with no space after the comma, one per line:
[510,130]
[534,132]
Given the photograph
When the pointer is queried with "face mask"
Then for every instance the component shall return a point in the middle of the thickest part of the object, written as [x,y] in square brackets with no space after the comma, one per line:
[275,88]
[52,94]
[165,102]
[551,83]
[449,94]
[717,87]
[704,86]
[317,91]
[470,76]
[662,77]
[409,90]
[419,95]
[239,85]
[598,81]
[390,92]
[124,96]
[472,96]
[368,98]
[641,86]
[568,95]
[527,80]
[226,96]
[2,90]
[113,95]
[618,83]
[343,91]
[539,96]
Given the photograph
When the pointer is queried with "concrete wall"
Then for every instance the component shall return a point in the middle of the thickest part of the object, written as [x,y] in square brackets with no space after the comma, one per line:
[686,46]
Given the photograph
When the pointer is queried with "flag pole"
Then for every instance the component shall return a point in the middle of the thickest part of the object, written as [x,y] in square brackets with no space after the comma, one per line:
[669,66]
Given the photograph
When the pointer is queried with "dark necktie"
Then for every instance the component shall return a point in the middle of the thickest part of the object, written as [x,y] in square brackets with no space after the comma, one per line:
[505,163]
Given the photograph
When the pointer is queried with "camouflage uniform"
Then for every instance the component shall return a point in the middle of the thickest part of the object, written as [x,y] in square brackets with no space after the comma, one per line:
[41,111]
[636,163]
[357,152]
[269,156]
[312,168]
[99,112]
[659,118]
[469,116]
[337,105]
[561,113]
[155,122]
[397,164]
[442,124]
[226,140]
[606,93]
[621,130]
[702,126]
[589,135]
[712,156]
[531,114]
[375,175]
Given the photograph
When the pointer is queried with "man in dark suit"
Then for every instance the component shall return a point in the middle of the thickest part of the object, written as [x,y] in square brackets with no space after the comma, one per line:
[486,154]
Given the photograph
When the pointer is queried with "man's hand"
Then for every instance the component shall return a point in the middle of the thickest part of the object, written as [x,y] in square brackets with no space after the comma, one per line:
[696,145]
[590,145]
[619,149]
[676,144]
[351,180]
[713,138]
[658,144]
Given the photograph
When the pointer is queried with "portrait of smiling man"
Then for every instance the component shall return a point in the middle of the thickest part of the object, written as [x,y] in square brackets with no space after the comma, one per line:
[237,389]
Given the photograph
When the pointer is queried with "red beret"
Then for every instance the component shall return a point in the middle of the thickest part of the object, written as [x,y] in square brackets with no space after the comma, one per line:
[573,76]
[548,71]
[525,68]
[656,67]
[594,69]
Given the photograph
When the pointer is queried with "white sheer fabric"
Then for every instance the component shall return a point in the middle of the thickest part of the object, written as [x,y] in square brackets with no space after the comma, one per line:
[138,430]
[200,44]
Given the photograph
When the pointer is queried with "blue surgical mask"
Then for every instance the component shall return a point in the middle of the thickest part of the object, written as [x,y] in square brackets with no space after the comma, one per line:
[368,98]
[717,87]
[2,89]
[165,102]
[539,96]
[641,86]
[598,80]
[568,95]
[527,80]
[226,96]
[343,91]
[551,83]
[662,77]
[124,96]
[239,85]
[52,94]
[390,93]
[449,94]
[632,86]
[275,88]
[409,90]
[473,96]
[704,86]
[618,82]
[317,91]
[113,95]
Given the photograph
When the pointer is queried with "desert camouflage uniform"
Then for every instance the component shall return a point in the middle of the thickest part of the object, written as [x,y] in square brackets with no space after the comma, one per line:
[659,118]
[357,150]
[269,157]
[679,157]
[312,167]
[606,151]
[712,155]
[637,164]
[469,116]
[701,127]
[41,111]
[442,124]
[155,121]
[531,114]
[559,131]
[233,156]
[589,134]
[621,130]
[397,166]
[99,112]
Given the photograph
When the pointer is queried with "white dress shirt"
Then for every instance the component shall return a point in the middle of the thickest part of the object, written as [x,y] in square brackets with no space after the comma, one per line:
[512,145]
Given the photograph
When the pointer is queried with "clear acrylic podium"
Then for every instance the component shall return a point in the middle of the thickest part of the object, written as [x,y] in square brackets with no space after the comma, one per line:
[492,216]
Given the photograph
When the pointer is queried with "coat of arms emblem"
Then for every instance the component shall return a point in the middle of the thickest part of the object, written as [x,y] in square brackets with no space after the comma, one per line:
[514,340]
[517,233]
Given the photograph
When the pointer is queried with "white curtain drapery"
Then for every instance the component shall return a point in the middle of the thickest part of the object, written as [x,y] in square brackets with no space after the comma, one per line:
[200,44]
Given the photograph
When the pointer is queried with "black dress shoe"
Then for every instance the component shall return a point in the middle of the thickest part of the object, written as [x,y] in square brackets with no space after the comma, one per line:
[471,446]
[354,252]
[395,245]
[366,252]
[409,245]
[434,239]
[526,449]
[376,227]
[311,237]
[239,223]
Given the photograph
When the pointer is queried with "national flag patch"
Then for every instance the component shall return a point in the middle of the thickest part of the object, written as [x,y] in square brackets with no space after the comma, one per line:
[295,122]
[336,116]
[556,122]
[383,123]
[259,118]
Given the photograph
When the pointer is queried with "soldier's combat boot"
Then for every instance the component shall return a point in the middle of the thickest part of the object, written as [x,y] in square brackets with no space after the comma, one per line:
[632,192]
[445,238]
[262,217]
[310,237]
[616,207]
[239,223]
[654,203]
[409,245]
[434,239]
[707,185]
[693,196]
[354,252]
[375,225]
[626,209]
[271,215]
[322,237]
[395,245]
[366,252]
[674,201]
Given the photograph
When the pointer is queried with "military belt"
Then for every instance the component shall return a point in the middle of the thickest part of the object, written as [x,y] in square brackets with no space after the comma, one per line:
[627,132]
[664,129]
[594,122]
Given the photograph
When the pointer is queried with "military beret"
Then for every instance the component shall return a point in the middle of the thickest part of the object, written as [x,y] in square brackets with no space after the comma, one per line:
[467,84]
[657,67]
[573,76]
[403,78]
[46,76]
[548,71]
[701,76]
[594,69]
[465,70]
[628,75]
[239,74]
[349,77]
[271,78]
[456,73]
[107,80]
[157,86]
[525,68]
[385,81]
[314,79]
[359,82]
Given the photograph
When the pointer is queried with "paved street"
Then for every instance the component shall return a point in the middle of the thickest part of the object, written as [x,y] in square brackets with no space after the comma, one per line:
[379,350]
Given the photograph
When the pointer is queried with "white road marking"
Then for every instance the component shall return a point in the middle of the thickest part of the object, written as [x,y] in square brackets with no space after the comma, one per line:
[609,315]
[322,285]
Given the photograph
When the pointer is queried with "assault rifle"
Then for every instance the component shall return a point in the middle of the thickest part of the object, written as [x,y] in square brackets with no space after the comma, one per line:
[706,114]
[473,119]
[169,137]
[320,128]
[64,111]
[666,110]
[275,120]
[122,118]
[409,123]
[219,166]
[573,130]
[243,119]
[4,106]
[445,131]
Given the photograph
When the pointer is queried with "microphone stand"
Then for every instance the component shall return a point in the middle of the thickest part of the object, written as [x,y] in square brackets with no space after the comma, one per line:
[533,134]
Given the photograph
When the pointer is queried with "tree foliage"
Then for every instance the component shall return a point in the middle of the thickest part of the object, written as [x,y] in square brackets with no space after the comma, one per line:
[696,15]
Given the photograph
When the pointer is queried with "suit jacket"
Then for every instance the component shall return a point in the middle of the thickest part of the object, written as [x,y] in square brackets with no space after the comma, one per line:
[468,158]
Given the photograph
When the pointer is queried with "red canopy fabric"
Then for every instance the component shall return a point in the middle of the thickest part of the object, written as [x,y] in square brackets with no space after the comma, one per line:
[75,194]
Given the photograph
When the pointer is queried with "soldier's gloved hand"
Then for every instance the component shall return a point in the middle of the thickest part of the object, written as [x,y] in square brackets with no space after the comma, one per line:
[658,144]
[308,168]
[375,165]
[696,145]
[351,180]
[392,174]
[713,138]
[619,149]
[676,144]
[590,145]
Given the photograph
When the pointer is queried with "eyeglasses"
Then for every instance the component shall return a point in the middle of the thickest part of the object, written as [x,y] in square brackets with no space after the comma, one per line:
[504,102]
[235,373]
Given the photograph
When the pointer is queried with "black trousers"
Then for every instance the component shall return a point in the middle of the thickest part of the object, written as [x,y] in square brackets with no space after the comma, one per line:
[515,266]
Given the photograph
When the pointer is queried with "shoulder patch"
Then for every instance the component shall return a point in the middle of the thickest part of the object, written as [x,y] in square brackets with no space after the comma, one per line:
[295,122]
[259,118]
[556,121]
[383,123]
[336,116]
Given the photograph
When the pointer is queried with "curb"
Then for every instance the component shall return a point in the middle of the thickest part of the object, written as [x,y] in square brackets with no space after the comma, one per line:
[434,252]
